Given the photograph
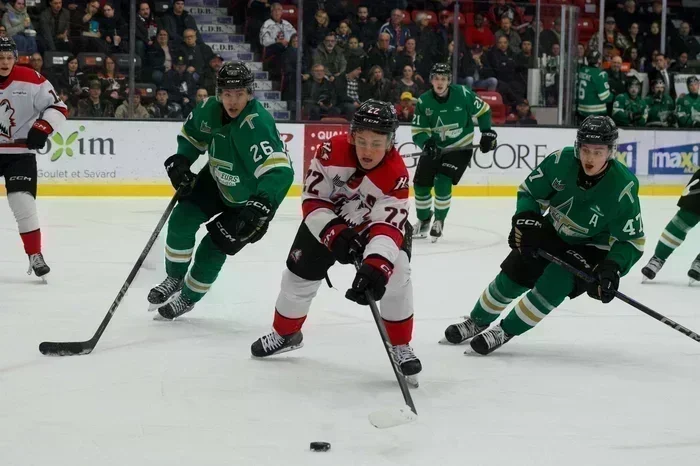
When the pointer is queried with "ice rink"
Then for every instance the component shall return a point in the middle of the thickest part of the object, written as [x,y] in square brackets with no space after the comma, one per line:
[592,385]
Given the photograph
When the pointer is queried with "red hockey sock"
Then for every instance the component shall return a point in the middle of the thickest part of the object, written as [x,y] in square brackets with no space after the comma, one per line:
[399,332]
[32,241]
[286,325]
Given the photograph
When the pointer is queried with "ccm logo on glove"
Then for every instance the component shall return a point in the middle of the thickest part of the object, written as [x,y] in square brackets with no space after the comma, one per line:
[528,222]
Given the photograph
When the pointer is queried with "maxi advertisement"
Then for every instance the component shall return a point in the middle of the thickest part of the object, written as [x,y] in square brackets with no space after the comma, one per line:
[126,158]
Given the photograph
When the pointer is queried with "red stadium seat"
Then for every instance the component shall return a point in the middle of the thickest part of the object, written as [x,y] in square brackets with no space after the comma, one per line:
[290,13]
[406,17]
[495,101]
[450,13]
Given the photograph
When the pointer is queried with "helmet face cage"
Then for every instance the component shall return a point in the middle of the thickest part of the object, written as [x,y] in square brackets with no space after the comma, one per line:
[597,130]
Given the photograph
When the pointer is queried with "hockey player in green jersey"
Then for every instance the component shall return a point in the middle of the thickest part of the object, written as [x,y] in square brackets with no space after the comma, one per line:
[688,106]
[593,90]
[593,222]
[247,176]
[674,234]
[630,109]
[660,105]
[443,120]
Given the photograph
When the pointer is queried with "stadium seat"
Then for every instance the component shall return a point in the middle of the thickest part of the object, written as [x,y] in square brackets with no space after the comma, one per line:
[56,59]
[498,108]
[122,61]
[290,13]
[460,18]
[91,61]
[160,8]
[146,90]
[23,60]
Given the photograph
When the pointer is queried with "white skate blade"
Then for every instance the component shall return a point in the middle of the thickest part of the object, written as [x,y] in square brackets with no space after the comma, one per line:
[392,417]
[434,239]
[443,341]
[283,350]
[154,307]
[160,318]
[420,236]
[412,380]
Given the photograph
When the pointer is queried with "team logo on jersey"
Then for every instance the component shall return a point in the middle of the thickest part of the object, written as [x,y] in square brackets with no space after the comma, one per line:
[7,122]
[295,255]
[217,166]
[558,185]
[563,223]
[338,181]
[428,112]
[249,119]
[324,151]
[205,128]
[451,130]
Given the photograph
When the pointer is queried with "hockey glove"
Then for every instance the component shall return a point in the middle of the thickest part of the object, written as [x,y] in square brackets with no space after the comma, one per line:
[38,134]
[432,150]
[488,142]
[607,275]
[527,233]
[222,231]
[254,219]
[344,243]
[372,276]
[178,168]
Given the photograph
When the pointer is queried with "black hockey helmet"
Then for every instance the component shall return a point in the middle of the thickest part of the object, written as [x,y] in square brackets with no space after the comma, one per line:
[691,80]
[441,68]
[658,82]
[8,45]
[634,82]
[597,129]
[376,116]
[234,75]
[593,58]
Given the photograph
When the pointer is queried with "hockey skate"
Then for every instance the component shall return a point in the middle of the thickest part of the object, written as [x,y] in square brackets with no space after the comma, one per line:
[174,308]
[436,231]
[38,266]
[274,343]
[407,361]
[421,228]
[652,268]
[164,293]
[694,272]
[461,332]
[489,341]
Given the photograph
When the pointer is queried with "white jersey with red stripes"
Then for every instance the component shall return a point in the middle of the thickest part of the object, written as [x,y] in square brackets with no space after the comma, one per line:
[374,201]
[26,96]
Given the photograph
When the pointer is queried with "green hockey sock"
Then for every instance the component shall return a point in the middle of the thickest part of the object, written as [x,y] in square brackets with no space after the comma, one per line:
[443,196]
[179,244]
[495,298]
[424,201]
[675,233]
[206,267]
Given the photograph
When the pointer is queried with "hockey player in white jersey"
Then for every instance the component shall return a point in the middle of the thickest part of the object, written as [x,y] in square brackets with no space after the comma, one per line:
[30,110]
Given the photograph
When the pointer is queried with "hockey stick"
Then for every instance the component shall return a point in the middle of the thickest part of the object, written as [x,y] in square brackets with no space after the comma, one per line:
[50,348]
[416,155]
[621,296]
[390,417]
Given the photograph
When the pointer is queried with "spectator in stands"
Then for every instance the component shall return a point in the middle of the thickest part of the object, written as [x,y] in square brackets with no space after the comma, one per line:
[257,12]
[480,34]
[634,38]
[523,115]
[524,61]
[655,15]
[64,95]
[406,107]
[347,88]
[36,61]
[85,30]
[551,76]
[443,33]
[289,90]
[632,57]
[503,9]
[18,25]
[652,41]
[680,65]
[318,30]
[381,55]
[159,58]
[94,106]
[208,79]
[275,33]
[197,54]
[628,15]
[201,95]
[503,65]
[339,10]
[318,94]
[364,28]
[406,84]
[479,74]
[177,20]
[3,30]
[113,83]
[377,87]
[462,64]
[140,111]
[146,29]
[660,71]
[407,56]
[580,54]
[72,80]
[331,57]
[682,41]
[529,32]
[343,34]
[609,53]
[354,50]
[549,37]
[181,85]
[113,29]
[610,36]
[509,33]
[53,27]
[398,32]
[164,108]
[616,78]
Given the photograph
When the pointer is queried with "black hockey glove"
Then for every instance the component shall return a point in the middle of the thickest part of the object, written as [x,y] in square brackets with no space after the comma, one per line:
[178,168]
[254,219]
[607,275]
[222,231]
[345,243]
[527,233]
[488,142]
[38,134]
[432,150]
[373,275]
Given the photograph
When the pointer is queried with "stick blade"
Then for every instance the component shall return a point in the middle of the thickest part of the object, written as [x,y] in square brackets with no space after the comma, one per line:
[76,348]
[392,417]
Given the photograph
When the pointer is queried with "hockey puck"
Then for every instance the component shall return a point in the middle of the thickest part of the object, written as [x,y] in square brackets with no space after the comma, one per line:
[320,446]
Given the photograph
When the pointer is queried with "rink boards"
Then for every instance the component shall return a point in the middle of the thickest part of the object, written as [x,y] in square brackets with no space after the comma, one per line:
[125,158]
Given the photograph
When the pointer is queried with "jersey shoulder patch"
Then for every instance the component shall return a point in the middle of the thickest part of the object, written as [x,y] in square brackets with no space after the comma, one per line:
[391,176]
[336,152]
[27,75]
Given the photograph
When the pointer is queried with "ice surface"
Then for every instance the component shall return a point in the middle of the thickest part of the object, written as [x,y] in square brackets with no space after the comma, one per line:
[592,385]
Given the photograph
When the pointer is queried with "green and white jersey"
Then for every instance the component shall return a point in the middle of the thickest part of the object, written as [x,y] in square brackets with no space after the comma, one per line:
[607,216]
[688,111]
[660,110]
[246,153]
[630,112]
[449,120]
[593,91]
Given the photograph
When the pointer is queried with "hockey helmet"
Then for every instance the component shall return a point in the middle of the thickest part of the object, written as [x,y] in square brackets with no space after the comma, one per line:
[597,129]
[655,87]
[692,81]
[634,83]
[593,58]
[376,116]
[441,69]
[8,45]
[234,75]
